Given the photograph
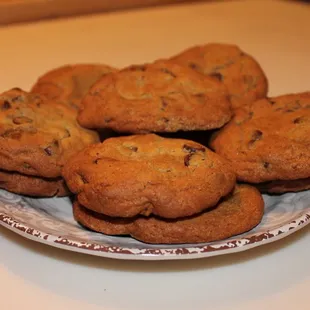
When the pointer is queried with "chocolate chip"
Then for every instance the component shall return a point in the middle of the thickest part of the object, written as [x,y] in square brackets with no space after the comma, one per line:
[297,120]
[48,151]
[257,135]
[192,149]
[266,165]
[200,98]
[133,148]
[107,119]
[217,75]
[22,120]
[193,66]
[187,159]
[83,179]
[68,134]
[164,103]
[95,92]
[6,105]
[165,70]
[200,95]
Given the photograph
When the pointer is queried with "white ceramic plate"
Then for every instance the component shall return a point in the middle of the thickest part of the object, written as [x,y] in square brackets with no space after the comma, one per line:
[50,221]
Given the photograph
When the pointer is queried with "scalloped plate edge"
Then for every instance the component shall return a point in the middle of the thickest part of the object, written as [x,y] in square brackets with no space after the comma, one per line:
[200,251]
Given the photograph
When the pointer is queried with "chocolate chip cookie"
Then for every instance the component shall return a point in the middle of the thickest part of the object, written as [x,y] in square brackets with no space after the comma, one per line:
[33,186]
[269,141]
[69,84]
[36,137]
[148,174]
[235,214]
[158,97]
[238,71]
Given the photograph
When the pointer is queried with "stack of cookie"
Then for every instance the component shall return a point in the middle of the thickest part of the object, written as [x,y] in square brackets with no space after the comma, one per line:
[37,137]
[160,190]
[156,189]
[267,143]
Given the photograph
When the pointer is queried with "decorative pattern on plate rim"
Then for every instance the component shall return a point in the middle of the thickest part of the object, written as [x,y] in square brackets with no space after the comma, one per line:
[41,219]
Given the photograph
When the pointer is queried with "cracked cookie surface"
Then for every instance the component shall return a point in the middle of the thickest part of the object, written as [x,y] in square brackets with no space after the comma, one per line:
[158,97]
[235,214]
[238,71]
[268,141]
[38,137]
[69,84]
[148,174]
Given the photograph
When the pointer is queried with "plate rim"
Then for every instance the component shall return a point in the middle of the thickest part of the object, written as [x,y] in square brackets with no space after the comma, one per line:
[226,246]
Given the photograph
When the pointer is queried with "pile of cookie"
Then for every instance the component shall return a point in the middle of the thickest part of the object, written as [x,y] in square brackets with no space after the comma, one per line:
[125,142]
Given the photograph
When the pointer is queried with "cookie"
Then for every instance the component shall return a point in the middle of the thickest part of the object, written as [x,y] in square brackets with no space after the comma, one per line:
[238,71]
[38,137]
[269,140]
[235,214]
[33,186]
[280,186]
[69,84]
[157,97]
[148,174]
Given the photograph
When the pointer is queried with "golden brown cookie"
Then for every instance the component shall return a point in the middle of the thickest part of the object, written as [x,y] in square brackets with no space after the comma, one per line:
[33,186]
[37,138]
[158,97]
[235,214]
[238,71]
[148,174]
[269,140]
[69,84]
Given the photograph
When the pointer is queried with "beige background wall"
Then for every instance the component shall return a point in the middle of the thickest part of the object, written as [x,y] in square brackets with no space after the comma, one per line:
[28,10]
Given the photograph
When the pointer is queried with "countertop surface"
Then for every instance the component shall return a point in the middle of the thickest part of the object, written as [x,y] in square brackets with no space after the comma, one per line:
[274,276]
